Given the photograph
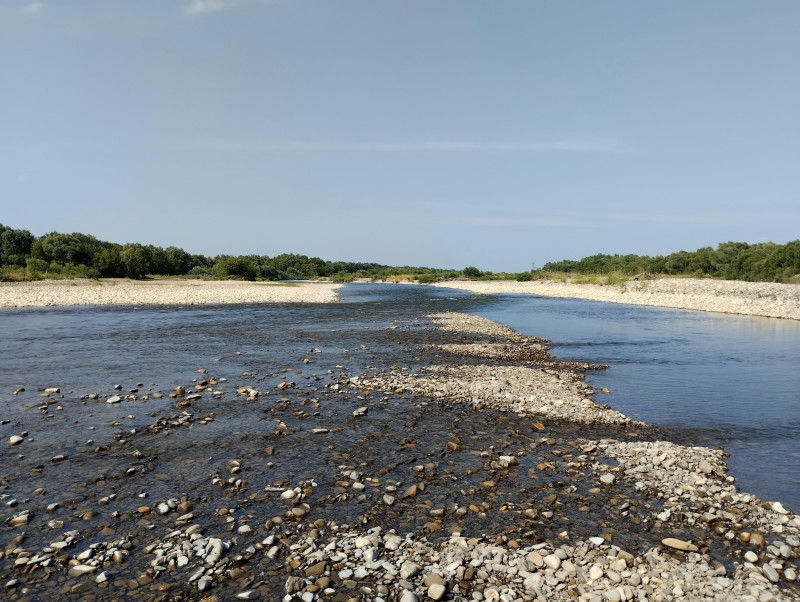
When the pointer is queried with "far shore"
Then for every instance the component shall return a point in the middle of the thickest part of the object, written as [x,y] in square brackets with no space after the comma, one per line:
[46,293]
[766,299]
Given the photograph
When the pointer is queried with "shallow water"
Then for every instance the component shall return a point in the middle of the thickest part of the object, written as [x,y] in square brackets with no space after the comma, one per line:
[678,369]
[733,380]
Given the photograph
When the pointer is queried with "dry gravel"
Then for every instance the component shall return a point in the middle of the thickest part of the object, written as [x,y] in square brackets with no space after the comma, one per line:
[45,293]
[767,299]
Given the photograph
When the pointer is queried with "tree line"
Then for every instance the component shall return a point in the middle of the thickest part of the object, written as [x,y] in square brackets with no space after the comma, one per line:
[56,255]
[83,255]
[762,262]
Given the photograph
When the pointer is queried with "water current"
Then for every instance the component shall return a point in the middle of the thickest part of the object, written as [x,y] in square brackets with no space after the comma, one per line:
[733,381]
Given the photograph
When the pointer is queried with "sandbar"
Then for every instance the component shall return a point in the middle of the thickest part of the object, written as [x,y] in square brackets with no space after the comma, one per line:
[45,293]
[766,299]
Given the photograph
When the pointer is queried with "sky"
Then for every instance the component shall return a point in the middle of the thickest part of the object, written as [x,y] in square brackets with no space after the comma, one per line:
[444,133]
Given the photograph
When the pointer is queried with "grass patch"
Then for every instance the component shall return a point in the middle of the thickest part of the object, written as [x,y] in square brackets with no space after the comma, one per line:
[12,273]
[615,279]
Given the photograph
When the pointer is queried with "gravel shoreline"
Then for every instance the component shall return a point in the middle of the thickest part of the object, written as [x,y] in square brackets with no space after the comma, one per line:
[766,299]
[45,293]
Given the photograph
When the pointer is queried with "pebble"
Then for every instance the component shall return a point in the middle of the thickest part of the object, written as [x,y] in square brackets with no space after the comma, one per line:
[679,544]
[325,561]
[437,591]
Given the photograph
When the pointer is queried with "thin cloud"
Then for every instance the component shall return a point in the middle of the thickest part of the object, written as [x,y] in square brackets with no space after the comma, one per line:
[33,10]
[492,221]
[566,146]
[677,218]
[204,7]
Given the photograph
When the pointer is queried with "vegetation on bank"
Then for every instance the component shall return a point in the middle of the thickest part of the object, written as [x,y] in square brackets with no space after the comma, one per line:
[762,262]
[55,255]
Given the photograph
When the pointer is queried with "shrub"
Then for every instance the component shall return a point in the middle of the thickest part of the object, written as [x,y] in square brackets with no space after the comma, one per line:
[616,278]
[237,268]
[36,266]
[524,277]
[472,272]
[427,278]
[198,271]
[342,277]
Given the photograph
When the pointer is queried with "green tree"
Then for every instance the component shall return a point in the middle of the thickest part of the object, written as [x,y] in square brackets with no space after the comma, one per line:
[239,268]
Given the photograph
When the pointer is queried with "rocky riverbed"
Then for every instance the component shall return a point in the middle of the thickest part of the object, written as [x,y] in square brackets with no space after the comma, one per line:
[120,291]
[769,299]
[466,465]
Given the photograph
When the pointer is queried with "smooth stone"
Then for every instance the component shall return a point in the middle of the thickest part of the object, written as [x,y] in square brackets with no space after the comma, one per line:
[433,579]
[114,399]
[678,544]
[15,440]
[613,595]
[595,573]
[317,569]
[408,596]
[751,556]
[608,478]
[81,569]
[437,591]
[552,561]
[770,572]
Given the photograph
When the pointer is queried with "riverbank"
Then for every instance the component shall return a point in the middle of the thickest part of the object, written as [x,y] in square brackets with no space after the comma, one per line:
[766,299]
[113,291]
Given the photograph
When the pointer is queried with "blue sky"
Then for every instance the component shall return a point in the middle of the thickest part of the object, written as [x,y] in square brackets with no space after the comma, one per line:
[446,133]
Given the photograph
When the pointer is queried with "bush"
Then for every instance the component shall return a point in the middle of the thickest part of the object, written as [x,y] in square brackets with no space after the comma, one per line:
[198,271]
[524,277]
[472,272]
[36,266]
[237,268]
[342,277]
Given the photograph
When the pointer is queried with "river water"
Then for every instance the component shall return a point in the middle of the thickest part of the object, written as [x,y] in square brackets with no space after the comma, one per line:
[731,381]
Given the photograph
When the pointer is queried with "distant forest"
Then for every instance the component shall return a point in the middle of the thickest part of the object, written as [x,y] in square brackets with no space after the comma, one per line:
[762,262]
[54,255]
